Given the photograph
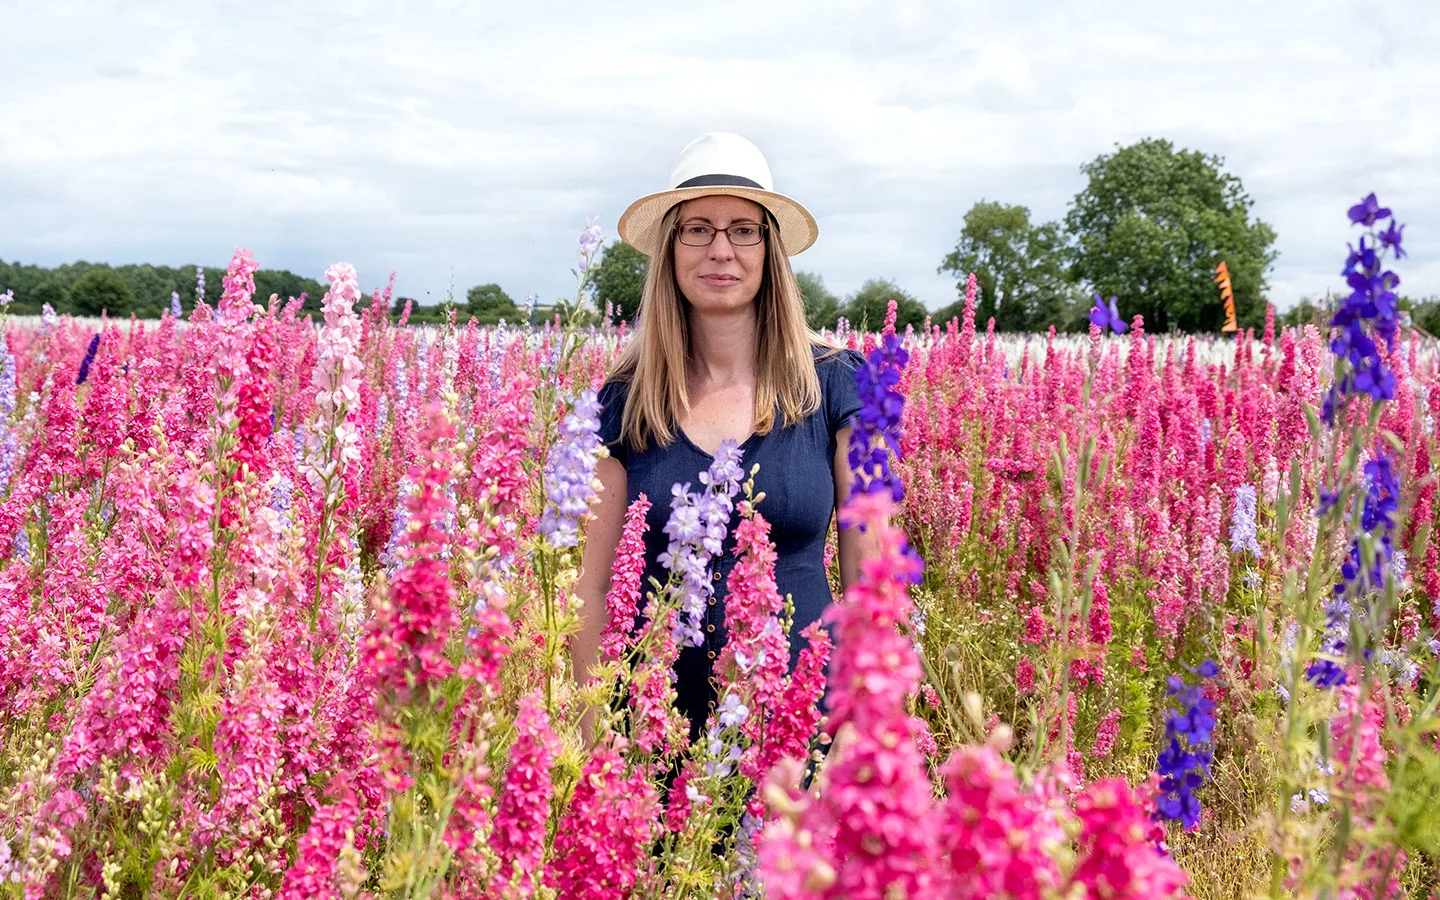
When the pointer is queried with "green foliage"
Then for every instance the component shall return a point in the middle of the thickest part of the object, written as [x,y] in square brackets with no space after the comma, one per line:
[148,286]
[1416,809]
[865,309]
[1303,313]
[488,303]
[1019,267]
[822,308]
[52,291]
[101,290]
[1150,227]
[619,278]
[1424,313]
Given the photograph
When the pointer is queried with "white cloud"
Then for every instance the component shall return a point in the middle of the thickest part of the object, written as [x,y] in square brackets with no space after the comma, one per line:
[479,136]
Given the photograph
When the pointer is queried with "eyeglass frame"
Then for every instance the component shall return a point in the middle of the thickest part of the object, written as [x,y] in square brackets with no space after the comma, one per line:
[763,226]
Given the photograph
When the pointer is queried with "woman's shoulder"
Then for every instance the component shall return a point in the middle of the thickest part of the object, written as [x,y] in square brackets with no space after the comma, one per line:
[830,358]
[613,391]
[612,415]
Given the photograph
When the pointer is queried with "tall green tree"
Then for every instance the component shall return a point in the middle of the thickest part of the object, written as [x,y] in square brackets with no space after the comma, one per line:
[1150,227]
[1020,269]
[866,308]
[101,290]
[619,278]
[822,308]
[488,303]
[51,290]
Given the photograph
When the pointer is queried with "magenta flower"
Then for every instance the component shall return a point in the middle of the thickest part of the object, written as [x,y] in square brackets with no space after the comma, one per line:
[524,808]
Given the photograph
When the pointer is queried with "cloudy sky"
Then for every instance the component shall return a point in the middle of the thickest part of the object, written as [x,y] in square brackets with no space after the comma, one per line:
[466,142]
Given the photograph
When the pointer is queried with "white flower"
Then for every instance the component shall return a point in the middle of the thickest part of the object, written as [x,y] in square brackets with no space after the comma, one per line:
[732,711]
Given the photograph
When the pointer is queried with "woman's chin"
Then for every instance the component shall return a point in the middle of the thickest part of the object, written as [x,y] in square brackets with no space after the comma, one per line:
[723,300]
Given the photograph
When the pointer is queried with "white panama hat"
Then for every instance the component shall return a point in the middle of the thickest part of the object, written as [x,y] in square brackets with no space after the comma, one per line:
[718,163]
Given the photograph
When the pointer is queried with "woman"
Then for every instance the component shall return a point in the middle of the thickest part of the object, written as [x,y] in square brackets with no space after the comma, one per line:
[721,352]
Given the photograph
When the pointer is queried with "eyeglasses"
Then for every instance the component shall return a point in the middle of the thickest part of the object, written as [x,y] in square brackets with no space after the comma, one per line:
[741,234]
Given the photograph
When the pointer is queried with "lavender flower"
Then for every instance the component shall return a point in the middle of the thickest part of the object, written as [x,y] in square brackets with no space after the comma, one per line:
[495,363]
[84,373]
[391,557]
[570,472]
[697,528]
[1242,522]
[1184,764]
[47,318]
[175,311]
[590,240]
[8,297]
[8,444]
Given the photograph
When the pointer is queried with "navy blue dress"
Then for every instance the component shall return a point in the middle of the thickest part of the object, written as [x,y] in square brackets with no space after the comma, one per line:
[797,476]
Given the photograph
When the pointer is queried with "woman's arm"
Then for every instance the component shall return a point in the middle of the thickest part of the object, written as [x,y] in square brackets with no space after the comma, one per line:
[602,536]
[853,544]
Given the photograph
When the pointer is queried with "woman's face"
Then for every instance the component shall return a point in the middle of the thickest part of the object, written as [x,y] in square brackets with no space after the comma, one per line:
[721,276]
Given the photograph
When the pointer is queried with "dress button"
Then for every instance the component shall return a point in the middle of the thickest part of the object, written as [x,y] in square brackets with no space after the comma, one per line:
[710,627]
[712,601]
[712,654]
[716,576]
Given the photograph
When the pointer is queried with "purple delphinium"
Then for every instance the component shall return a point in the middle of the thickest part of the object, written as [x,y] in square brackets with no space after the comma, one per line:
[698,524]
[175,311]
[1363,325]
[84,374]
[1370,311]
[1106,315]
[570,472]
[877,425]
[200,284]
[1184,763]
[1368,211]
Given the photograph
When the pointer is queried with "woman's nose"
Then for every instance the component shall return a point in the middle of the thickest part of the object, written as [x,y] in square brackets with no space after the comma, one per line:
[720,247]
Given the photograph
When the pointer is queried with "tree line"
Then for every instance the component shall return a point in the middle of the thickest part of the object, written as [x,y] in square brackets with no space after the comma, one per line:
[144,290]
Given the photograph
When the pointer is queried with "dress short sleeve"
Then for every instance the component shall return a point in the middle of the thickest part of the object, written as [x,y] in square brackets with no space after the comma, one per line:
[842,397]
[612,413]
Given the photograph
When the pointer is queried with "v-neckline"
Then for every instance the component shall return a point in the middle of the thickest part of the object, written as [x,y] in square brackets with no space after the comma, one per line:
[708,455]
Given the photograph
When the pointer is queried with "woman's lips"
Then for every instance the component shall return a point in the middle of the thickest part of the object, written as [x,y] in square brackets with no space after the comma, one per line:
[720,280]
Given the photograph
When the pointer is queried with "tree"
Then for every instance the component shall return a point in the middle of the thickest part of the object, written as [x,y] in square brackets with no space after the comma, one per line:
[822,308]
[1424,313]
[865,309]
[1304,312]
[52,291]
[489,304]
[619,278]
[101,290]
[1019,267]
[1150,227]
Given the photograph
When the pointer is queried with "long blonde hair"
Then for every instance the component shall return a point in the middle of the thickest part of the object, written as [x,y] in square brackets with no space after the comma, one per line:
[654,361]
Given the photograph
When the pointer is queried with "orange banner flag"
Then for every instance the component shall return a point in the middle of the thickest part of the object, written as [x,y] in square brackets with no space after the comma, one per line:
[1222,278]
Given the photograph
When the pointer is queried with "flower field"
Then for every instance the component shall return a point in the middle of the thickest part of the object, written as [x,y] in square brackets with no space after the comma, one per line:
[284,610]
